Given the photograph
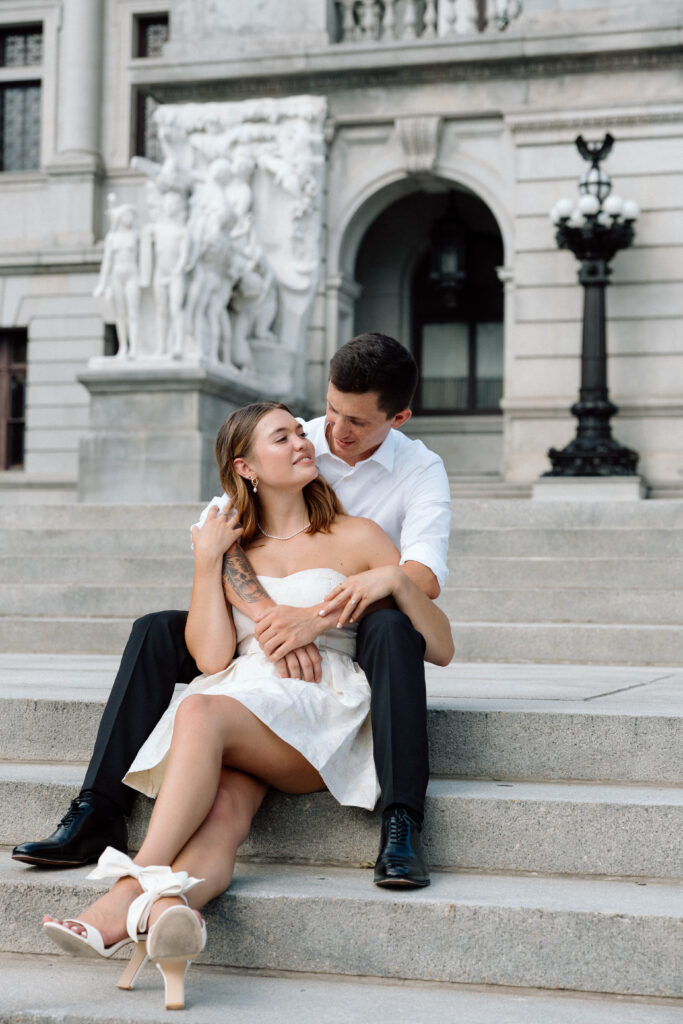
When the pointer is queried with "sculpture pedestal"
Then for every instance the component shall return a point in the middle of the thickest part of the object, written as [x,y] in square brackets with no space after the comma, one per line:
[152,431]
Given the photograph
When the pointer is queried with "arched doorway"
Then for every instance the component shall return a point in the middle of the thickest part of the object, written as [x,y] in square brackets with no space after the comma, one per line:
[426,267]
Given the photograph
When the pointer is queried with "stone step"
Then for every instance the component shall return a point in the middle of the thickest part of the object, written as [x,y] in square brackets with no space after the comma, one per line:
[20,633]
[474,641]
[162,516]
[622,605]
[158,541]
[532,515]
[572,542]
[465,571]
[557,828]
[504,722]
[82,600]
[568,642]
[67,990]
[519,542]
[483,489]
[469,928]
[656,605]
[468,513]
[169,570]
[562,572]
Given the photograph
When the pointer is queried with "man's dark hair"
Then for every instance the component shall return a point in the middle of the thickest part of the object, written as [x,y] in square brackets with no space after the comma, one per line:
[376,362]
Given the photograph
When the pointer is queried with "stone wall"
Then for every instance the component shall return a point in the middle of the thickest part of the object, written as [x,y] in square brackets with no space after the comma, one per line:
[495,113]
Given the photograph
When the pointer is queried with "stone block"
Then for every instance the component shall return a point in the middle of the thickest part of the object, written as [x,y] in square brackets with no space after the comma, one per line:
[589,488]
[152,432]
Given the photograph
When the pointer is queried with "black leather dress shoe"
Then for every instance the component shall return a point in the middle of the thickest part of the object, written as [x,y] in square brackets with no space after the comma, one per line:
[400,861]
[81,836]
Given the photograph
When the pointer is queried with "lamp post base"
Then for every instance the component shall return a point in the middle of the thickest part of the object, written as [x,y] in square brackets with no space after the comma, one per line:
[589,488]
[591,456]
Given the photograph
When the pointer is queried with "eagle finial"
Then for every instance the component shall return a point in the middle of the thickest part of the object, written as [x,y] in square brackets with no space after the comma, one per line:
[595,152]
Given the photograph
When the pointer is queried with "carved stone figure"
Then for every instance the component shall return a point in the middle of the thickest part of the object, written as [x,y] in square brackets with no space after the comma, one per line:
[253,309]
[211,264]
[239,195]
[163,258]
[229,260]
[119,278]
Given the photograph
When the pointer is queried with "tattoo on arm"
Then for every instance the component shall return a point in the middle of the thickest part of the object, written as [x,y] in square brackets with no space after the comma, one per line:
[239,576]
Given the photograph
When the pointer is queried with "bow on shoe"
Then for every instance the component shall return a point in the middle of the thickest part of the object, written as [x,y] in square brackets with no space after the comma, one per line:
[157,880]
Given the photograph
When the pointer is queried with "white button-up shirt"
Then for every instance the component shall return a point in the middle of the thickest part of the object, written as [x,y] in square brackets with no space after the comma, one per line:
[402,486]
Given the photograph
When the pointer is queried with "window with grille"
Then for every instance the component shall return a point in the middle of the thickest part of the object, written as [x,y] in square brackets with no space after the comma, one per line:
[151,33]
[21,47]
[13,345]
[20,102]
[20,126]
[146,136]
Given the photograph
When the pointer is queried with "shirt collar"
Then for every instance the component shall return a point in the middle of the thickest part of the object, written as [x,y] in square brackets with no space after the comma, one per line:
[384,455]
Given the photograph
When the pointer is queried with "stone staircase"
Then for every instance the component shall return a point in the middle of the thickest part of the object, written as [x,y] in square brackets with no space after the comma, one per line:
[554,809]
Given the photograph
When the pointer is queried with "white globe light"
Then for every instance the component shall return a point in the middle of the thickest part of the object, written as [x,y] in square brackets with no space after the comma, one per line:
[564,208]
[631,210]
[604,219]
[613,205]
[576,220]
[589,205]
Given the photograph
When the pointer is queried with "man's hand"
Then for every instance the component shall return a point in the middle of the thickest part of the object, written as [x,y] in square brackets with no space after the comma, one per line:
[283,629]
[303,663]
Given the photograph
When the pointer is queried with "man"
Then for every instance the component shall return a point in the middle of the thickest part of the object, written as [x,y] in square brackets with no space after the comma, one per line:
[379,473]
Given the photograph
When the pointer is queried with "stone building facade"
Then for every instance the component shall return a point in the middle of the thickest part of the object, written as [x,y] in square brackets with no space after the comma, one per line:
[449,131]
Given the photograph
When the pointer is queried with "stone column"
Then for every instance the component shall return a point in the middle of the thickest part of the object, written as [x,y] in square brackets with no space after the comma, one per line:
[80,63]
[75,172]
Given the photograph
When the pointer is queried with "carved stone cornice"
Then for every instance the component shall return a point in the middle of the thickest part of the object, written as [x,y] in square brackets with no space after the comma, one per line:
[597,118]
[245,80]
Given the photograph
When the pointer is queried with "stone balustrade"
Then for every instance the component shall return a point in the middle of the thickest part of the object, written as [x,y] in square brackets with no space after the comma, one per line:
[365,21]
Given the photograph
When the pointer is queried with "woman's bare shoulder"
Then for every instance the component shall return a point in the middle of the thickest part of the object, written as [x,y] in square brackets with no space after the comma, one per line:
[358,526]
[363,532]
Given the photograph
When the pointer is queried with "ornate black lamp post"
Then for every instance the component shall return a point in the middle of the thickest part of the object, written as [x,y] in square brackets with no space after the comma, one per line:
[594,230]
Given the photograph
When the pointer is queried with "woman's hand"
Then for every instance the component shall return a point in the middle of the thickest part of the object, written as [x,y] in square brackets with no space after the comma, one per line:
[218,534]
[352,598]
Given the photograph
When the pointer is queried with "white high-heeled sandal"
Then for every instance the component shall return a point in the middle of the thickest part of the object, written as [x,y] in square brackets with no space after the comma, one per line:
[156,881]
[174,940]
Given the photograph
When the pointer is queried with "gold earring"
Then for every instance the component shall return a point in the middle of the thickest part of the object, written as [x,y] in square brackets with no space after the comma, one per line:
[254,484]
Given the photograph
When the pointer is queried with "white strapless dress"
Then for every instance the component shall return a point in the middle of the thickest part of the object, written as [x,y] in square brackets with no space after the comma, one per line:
[329,722]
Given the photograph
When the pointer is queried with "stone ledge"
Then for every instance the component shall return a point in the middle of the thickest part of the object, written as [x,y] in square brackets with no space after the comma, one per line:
[466,927]
[54,989]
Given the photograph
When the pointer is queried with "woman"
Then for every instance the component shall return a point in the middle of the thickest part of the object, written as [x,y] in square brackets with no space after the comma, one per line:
[240,728]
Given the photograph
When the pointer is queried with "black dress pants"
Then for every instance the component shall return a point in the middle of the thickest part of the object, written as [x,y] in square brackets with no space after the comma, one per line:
[154,660]
[390,652]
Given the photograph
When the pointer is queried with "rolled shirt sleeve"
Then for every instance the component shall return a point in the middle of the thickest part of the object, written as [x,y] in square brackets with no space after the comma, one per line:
[427,521]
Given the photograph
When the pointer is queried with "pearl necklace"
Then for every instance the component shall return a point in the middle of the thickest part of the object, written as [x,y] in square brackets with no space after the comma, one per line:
[295,534]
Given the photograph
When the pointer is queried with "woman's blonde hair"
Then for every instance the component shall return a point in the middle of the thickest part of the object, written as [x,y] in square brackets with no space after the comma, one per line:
[234,441]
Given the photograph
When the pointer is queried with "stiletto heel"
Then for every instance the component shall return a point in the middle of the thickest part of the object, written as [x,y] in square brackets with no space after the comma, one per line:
[175,939]
[134,966]
[174,972]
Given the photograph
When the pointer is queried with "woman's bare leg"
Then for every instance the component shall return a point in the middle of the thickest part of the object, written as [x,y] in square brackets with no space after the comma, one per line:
[209,731]
[210,854]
